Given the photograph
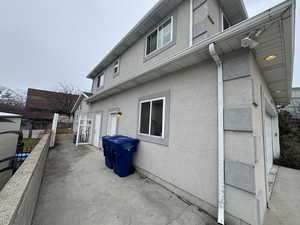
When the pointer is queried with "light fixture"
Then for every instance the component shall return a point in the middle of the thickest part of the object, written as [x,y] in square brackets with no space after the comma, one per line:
[278,91]
[120,115]
[270,57]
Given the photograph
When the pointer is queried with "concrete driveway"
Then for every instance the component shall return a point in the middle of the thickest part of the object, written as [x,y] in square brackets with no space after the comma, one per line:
[79,189]
[285,199]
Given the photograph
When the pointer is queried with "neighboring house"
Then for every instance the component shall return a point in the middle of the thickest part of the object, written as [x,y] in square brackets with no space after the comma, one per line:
[198,82]
[294,107]
[41,106]
[81,112]
[9,135]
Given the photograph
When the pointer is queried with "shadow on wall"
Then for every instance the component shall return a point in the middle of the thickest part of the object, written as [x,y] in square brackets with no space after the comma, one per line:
[289,141]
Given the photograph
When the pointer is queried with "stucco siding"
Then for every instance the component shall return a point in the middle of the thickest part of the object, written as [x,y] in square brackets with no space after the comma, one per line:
[215,15]
[189,160]
[262,94]
[133,61]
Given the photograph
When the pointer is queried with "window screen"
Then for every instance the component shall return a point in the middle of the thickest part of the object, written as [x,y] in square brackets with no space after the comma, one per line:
[100,81]
[152,42]
[165,34]
[144,118]
[157,117]
[160,37]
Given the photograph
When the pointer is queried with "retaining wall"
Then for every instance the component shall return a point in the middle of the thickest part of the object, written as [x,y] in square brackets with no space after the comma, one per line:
[19,196]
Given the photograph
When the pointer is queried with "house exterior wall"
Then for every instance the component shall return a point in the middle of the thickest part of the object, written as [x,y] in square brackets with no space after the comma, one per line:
[193,129]
[246,100]
[189,160]
[8,146]
[206,19]
[265,105]
[134,61]
[193,134]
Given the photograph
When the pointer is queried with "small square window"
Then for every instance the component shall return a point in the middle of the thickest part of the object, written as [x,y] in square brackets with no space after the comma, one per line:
[116,67]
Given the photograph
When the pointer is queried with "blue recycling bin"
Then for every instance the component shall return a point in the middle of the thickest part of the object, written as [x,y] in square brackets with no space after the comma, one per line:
[123,150]
[108,151]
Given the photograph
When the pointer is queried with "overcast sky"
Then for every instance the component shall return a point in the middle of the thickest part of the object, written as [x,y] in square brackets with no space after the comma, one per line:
[46,42]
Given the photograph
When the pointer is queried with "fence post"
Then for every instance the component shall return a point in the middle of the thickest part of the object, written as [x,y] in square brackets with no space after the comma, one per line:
[53,130]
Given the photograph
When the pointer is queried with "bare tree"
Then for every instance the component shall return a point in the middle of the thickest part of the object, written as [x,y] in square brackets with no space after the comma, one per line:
[65,98]
[12,105]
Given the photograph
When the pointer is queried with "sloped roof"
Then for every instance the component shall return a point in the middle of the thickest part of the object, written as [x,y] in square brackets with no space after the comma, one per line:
[278,26]
[79,99]
[234,10]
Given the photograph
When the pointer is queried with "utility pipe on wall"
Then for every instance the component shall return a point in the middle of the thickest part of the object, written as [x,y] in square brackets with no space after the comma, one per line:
[221,183]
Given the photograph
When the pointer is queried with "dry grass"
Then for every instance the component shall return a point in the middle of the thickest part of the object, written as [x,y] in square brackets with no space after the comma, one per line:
[64,131]
[29,144]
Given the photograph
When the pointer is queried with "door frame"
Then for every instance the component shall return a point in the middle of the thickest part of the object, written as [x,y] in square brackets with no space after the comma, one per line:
[96,130]
[266,133]
[110,114]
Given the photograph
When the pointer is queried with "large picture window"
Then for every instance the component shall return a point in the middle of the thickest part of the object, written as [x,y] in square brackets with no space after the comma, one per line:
[152,117]
[160,37]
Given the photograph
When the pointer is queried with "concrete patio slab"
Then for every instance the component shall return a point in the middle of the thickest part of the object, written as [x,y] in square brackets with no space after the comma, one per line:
[285,199]
[78,189]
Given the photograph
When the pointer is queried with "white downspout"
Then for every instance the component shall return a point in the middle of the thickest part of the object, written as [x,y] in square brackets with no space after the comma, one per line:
[221,185]
[78,130]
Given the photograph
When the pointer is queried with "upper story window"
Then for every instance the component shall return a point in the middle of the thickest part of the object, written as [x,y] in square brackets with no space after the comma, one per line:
[100,81]
[116,67]
[160,37]
[225,22]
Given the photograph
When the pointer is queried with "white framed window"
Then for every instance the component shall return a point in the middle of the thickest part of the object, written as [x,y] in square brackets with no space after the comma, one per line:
[116,67]
[160,37]
[100,81]
[152,117]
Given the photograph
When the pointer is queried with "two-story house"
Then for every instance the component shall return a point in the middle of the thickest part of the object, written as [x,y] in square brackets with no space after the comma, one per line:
[198,82]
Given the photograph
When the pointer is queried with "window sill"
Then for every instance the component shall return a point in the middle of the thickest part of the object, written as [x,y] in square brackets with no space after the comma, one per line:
[115,74]
[153,139]
[158,51]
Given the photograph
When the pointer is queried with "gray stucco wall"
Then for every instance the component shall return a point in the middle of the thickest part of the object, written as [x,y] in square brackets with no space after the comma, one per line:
[18,198]
[206,19]
[240,188]
[262,94]
[8,145]
[189,160]
[245,97]
[133,62]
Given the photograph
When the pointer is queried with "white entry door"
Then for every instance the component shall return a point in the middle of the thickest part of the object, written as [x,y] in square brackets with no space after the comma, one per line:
[112,124]
[268,143]
[98,120]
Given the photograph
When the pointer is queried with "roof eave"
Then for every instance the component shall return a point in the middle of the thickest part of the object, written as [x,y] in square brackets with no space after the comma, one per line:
[237,29]
[123,45]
